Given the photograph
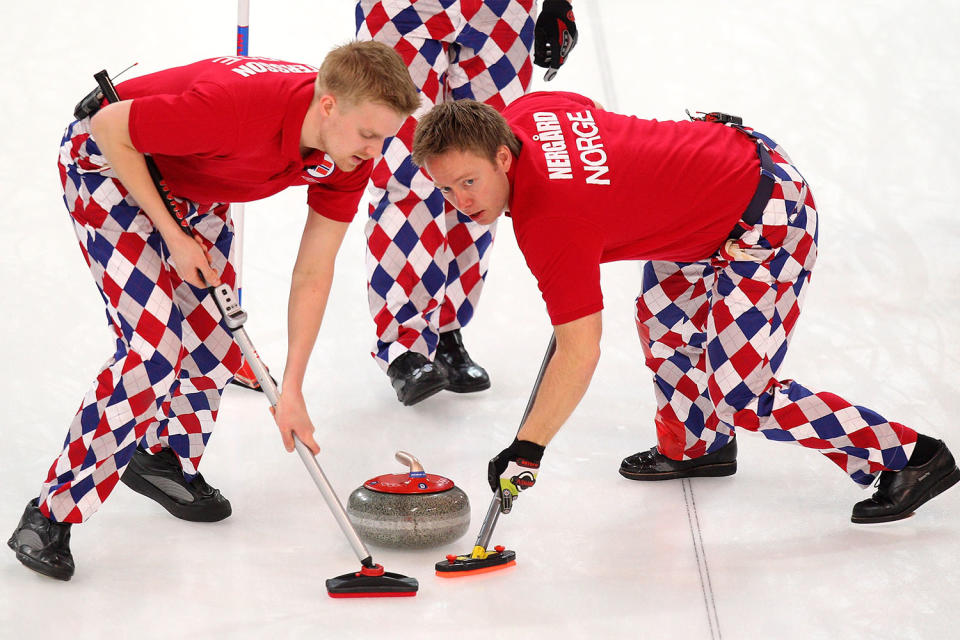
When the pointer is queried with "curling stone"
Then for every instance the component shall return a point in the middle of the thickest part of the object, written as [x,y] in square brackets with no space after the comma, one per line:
[413,510]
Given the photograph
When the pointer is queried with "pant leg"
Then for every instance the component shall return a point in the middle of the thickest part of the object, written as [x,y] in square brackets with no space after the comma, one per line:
[127,260]
[672,311]
[491,64]
[122,250]
[754,309]
[426,263]
[406,235]
[186,417]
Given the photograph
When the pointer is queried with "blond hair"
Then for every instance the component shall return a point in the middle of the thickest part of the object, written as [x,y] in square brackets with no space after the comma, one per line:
[462,125]
[368,72]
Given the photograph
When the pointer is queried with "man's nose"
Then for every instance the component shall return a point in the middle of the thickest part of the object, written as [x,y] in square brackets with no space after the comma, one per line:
[463,201]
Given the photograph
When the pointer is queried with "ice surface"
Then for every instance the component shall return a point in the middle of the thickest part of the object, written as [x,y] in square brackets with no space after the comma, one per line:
[864,95]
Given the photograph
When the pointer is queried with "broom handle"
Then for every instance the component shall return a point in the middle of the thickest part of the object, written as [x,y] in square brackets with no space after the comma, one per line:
[496,504]
[551,349]
[309,461]
[489,522]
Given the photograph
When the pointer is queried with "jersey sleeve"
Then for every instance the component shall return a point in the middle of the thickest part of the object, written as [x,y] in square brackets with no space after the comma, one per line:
[200,121]
[565,259]
[339,198]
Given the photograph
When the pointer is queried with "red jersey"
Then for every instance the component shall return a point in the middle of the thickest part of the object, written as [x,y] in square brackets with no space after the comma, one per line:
[228,130]
[591,186]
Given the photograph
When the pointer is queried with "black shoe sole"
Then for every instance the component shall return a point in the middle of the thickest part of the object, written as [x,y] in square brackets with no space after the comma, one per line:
[468,388]
[183,511]
[704,471]
[422,394]
[39,567]
[936,489]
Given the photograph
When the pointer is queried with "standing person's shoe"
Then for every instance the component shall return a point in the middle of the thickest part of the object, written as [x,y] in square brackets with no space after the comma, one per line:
[899,493]
[653,465]
[160,478]
[42,544]
[415,378]
[465,375]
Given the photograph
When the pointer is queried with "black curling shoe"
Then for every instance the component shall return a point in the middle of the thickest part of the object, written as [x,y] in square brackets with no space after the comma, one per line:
[160,478]
[465,375]
[42,544]
[899,493]
[653,465]
[415,378]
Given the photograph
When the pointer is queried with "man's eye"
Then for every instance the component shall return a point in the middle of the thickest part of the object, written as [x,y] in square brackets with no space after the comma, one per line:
[469,182]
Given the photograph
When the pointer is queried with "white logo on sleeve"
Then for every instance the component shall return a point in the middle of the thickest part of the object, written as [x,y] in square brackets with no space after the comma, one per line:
[320,171]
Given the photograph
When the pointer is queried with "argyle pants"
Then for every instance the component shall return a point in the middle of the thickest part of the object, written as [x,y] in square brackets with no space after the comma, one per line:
[426,262]
[162,385]
[715,334]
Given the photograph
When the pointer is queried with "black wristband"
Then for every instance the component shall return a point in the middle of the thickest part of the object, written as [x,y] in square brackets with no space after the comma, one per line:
[528,450]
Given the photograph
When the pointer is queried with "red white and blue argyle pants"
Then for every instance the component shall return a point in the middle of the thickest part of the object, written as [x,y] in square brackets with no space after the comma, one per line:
[715,334]
[161,387]
[425,261]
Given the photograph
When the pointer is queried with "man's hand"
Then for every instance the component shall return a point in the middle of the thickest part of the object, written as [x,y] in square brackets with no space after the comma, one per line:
[514,470]
[190,258]
[554,36]
[291,417]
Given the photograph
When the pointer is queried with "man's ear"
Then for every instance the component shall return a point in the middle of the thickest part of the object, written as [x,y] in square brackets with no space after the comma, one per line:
[327,103]
[504,158]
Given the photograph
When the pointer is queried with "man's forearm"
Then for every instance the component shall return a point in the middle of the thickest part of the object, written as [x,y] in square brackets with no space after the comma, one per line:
[111,133]
[565,381]
[309,292]
[307,304]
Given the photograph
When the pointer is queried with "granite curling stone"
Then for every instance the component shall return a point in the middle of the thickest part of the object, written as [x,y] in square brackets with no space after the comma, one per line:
[413,510]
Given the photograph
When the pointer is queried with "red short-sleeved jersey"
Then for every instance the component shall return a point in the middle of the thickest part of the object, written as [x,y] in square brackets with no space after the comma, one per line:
[228,130]
[591,186]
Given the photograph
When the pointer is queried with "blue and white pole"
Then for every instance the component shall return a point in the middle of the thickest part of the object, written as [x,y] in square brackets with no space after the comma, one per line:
[236,210]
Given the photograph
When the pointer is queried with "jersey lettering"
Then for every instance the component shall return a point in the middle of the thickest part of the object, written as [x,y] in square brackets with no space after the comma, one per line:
[554,147]
[253,66]
[590,145]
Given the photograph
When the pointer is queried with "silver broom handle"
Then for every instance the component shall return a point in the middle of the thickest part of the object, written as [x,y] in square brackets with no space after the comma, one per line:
[309,461]
[495,508]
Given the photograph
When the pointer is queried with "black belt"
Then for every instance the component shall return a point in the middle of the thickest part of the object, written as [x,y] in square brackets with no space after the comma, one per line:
[761,196]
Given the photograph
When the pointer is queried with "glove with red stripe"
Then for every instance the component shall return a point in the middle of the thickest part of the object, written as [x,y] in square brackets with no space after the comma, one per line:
[554,36]
[514,470]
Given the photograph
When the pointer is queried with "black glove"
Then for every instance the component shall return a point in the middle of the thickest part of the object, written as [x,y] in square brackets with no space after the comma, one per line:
[514,470]
[554,36]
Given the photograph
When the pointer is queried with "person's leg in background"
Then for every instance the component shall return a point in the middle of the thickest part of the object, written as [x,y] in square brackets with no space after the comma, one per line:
[425,262]
[491,64]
